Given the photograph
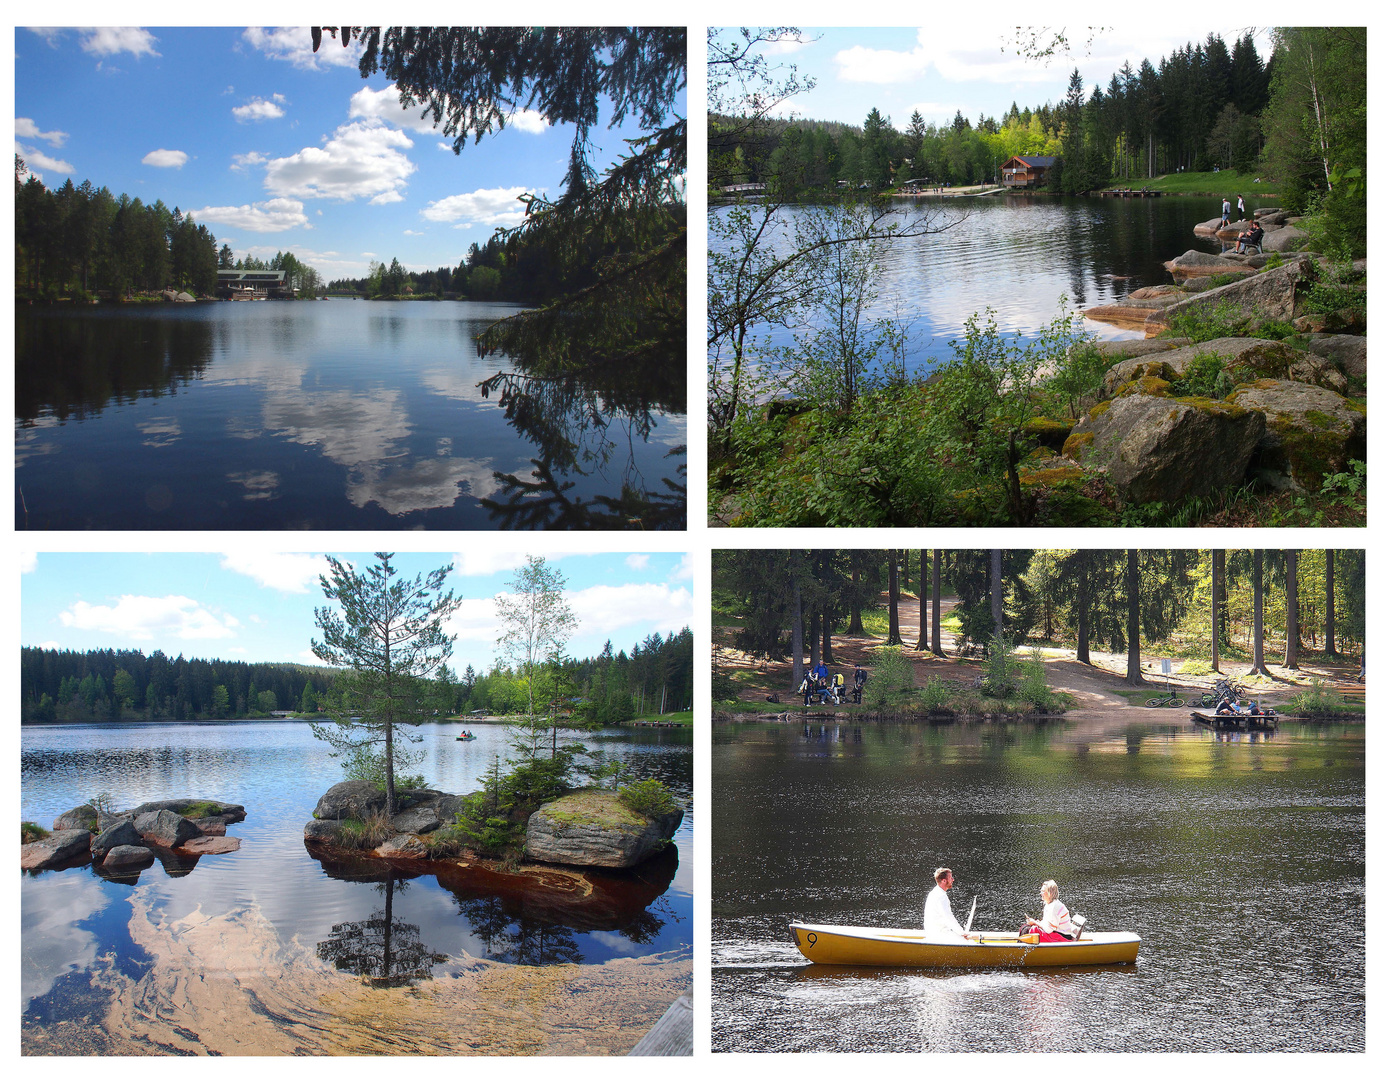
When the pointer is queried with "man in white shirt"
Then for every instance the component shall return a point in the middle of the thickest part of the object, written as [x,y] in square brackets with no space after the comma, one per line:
[940,923]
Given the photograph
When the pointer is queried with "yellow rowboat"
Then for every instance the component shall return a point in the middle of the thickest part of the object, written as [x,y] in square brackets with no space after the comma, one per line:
[870,946]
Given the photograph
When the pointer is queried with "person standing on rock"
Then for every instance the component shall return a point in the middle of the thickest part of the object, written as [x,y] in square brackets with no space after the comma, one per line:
[1225,214]
[1241,209]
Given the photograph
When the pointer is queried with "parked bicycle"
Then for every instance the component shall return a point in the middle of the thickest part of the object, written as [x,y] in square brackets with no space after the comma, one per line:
[1169,698]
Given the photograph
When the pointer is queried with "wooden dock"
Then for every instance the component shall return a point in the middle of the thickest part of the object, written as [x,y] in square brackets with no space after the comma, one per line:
[1235,721]
[672,1035]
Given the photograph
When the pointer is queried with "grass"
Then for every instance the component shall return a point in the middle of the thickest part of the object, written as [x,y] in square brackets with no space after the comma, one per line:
[1217,185]
[686,717]
[201,810]
[29,832]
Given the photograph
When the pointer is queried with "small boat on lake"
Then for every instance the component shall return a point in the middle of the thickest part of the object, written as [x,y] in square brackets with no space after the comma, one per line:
[869,946]
[466,738]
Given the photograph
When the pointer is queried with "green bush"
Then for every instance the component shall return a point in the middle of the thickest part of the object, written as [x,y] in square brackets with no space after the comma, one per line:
[936,693]
[1205,324]
[1320,698]
[365,835]
[487,825]
[891,671]
[1204,377]
[29,832]
[367,764]
[1033,687]
[649,798]
[998,668]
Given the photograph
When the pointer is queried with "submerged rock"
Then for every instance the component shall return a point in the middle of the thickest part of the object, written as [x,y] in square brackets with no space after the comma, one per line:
[58,848]
[594,828]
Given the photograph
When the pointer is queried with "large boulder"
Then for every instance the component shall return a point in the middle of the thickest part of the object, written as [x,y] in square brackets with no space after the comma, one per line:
[1288,238]
[595,828]
[127,857]
[1162,449]
[122,832]
[326,831]
[1310,432]
[58,848]
[80,817]
[165,828]
[403,846]
[1201,264]
[228,813]
[1246,359]
[1349,352]
[356,799]
[1266,296]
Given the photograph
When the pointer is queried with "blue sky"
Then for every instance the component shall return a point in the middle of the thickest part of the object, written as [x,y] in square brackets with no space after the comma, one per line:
[969,67]
[274,147]
[258,606]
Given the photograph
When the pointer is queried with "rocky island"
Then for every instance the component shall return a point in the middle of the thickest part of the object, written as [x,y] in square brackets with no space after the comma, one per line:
[122,843]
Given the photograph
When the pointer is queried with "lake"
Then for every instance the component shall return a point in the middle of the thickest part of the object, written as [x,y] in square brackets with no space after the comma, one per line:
[1018,254]
[339,414]
[1238,859]
[260,950]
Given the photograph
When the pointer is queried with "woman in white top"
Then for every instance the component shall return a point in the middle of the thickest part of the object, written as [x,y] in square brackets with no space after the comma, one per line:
[1055,924]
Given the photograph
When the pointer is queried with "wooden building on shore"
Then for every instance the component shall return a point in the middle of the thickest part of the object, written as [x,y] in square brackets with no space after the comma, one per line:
[1027,170]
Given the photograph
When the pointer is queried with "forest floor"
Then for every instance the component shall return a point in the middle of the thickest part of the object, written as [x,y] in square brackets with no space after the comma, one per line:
[1097,687]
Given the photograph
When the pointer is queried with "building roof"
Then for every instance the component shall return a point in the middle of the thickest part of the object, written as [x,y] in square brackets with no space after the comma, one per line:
[1032,159]
[233,276]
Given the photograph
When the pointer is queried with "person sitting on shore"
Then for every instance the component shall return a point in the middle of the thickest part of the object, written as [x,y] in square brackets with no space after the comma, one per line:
[1054,924]
[1252,238]
[1225,707]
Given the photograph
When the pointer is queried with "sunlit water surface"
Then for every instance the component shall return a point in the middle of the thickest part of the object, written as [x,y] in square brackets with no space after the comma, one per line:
[1238,860]
[74,923]
[339,414]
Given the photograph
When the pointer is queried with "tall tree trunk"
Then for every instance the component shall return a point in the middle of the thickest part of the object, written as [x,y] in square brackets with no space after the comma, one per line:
[893,599]
[1330,602]
[923,641]
[1082,609]
[814,639]
[937,646]
[1293,620]
[827,653]
[855,609]
[797,643]
[996,590]
[906,569]
[1134,623]
[1216,569]
[1259,665]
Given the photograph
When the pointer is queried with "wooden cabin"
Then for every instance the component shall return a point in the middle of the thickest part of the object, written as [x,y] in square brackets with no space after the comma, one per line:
[1027,170]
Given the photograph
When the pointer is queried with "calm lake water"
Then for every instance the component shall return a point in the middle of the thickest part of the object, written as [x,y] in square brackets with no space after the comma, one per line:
[1239,860]
[333,415]
[81,931]
[1019,253]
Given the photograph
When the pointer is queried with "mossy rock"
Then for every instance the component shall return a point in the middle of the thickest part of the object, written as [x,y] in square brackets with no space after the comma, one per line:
[1048,432]
[1077,443]
[1054,477]
[1152,385]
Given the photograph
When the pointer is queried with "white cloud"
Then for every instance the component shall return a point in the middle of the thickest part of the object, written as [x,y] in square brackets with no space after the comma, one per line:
[528,121]
[258,109]
[604,609]
[276,215]
[638,562]
[165,159]
[384,105]
[480,563]
[34,158]
[24,128]
[110,40]
[28,561]
[142,617]
[387,197]
[287,572]
[242,162]
[486,206]
[361,160]
[684,571]
[294,44]
[411,232]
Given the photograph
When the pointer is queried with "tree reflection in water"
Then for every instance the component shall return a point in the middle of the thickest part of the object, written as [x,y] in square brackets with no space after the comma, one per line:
[382,951]
[583,427]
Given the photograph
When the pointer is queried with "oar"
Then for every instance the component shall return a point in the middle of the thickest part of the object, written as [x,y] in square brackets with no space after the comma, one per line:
[970,920]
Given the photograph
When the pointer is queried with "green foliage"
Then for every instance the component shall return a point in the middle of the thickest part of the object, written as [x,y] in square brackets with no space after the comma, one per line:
[1204,377]
[999,668]
[1335,291]
[29,832]
[103,803]
[486,819]
[201,810]
[1321,698]
[1078,375]
[359,835]
[891,673]
[650,798]
[1206,323]
[935,694]
[1033,686]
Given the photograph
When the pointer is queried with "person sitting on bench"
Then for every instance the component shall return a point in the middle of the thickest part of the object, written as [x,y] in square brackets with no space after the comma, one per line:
[1253,238]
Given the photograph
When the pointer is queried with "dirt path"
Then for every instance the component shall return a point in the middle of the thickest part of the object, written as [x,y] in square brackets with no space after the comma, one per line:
[1094,685]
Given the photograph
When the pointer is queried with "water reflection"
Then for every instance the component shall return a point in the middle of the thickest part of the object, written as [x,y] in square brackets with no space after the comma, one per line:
[331,415]
[381,949]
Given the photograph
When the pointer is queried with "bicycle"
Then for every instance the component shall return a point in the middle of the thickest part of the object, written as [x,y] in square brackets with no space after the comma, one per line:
[1169,698]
